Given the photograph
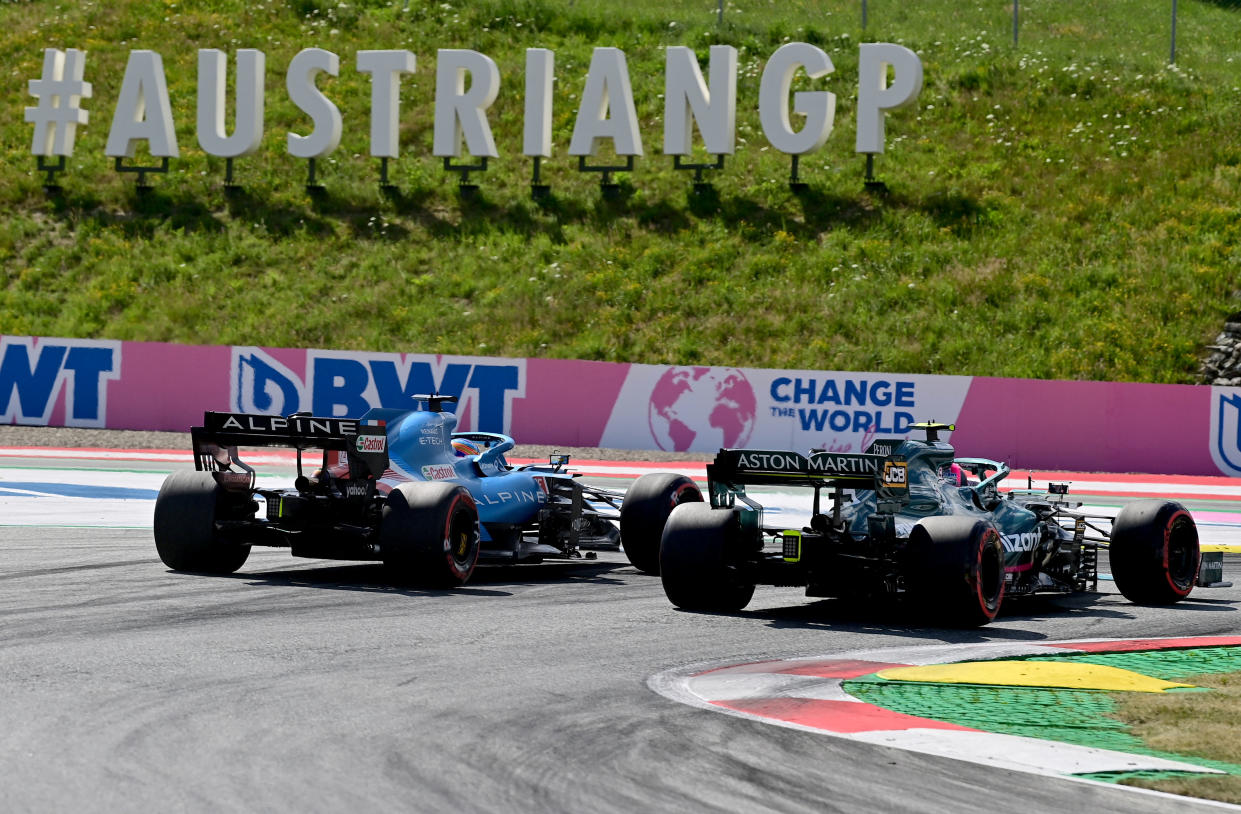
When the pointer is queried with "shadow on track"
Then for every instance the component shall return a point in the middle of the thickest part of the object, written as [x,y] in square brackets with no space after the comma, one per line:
[486,580]
[892,618]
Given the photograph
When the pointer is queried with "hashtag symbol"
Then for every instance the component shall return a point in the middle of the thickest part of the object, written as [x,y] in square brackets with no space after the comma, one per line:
[60,93]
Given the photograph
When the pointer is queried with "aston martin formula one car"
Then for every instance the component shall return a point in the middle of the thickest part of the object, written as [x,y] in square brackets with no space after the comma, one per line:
[922,525]
[398,486]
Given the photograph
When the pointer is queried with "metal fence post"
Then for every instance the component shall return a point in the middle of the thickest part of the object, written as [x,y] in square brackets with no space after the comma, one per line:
[1172,58]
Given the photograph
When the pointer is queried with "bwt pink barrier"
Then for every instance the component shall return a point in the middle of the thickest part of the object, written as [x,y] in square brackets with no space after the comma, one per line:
[1090,426]
[1083,426]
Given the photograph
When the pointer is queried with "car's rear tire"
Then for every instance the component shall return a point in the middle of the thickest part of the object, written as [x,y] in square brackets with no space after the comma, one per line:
[429,534]
[702,562]
[644,512]
[956,570]
[1154,552]
[184,525]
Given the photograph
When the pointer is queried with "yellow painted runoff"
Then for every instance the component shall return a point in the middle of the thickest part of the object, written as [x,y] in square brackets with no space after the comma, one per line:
[1072,675]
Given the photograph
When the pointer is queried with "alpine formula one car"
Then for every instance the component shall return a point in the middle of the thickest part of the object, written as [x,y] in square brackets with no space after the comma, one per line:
[919,527]
[397,486]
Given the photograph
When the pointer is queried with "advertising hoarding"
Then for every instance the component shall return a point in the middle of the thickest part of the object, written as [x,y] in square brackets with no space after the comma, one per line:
[1070,425]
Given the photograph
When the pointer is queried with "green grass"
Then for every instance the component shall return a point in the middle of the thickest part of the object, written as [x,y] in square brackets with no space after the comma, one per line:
[1067,208]
[1194,724]
[1199,726]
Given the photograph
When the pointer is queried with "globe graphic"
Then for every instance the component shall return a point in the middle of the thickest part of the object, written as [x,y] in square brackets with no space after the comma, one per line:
[702,408]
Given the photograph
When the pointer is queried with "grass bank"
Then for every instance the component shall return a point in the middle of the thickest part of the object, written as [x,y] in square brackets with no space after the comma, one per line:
[1201,725]
[1066,207]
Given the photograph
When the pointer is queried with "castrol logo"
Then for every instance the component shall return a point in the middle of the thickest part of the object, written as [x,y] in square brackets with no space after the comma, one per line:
[372,443]
[438,472]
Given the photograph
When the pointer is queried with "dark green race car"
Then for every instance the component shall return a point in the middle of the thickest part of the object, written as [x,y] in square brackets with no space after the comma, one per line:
[921,525]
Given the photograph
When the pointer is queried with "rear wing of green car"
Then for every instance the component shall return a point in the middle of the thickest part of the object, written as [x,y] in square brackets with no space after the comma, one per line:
[832,470]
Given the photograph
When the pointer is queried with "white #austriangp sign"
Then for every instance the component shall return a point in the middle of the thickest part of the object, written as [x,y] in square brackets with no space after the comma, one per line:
[467,83]
[703,409]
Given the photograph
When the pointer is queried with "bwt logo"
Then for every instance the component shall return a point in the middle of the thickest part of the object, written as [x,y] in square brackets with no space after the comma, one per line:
[1226,429]
[346,385]
[32,378]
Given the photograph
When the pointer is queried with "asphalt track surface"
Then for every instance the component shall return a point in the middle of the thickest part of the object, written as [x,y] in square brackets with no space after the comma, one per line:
[317,686]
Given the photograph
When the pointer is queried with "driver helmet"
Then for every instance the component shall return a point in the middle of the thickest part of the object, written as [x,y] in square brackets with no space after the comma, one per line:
[956,475]
[464,447]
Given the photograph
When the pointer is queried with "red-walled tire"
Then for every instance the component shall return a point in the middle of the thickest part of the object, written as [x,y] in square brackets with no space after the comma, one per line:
[644,512]
[956,570]
[429,534]
[1154,552]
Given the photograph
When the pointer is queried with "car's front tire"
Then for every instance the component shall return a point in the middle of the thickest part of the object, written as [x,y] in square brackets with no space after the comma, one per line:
[184,526]
[1154,552]
[645,511]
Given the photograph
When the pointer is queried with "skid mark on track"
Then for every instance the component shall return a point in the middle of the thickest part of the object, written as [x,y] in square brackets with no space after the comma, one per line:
[69,569]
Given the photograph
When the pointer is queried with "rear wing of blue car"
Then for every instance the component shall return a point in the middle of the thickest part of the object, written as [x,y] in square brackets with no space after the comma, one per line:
[216,441]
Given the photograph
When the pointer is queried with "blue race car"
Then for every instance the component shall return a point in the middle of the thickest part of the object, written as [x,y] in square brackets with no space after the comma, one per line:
[397,486]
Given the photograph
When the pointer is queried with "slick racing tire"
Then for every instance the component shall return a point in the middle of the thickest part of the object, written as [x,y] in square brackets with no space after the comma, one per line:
[429,534]
[702,562]
[956,570]
[1154,552]
[185,533]
[645,510]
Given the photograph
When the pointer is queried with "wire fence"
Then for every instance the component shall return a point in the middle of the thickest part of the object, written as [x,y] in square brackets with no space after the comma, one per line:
[1016,17]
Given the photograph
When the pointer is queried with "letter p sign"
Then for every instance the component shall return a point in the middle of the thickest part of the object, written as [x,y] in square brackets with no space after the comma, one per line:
[876,96]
